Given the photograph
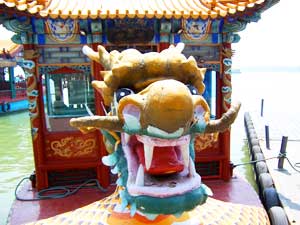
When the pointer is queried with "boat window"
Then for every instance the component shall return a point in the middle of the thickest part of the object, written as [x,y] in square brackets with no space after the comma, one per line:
[66,96]
[210,91]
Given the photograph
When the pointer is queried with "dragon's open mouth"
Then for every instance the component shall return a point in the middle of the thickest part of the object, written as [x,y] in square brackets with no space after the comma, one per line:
[159,167]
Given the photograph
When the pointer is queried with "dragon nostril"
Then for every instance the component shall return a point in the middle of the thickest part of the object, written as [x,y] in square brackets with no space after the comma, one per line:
[131,115]
[199,112]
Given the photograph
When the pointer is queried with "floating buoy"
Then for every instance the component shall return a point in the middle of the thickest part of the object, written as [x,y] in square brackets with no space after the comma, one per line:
[5,106]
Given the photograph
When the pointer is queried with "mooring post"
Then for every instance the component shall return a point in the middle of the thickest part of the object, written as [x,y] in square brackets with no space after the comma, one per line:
[282,151]
[262,108]
[267,136]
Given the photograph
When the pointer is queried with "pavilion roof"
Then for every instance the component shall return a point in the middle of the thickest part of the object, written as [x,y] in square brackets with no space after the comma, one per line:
[9,47]
[110,9]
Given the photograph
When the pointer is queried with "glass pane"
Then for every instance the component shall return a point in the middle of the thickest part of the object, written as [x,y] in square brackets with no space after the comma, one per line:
[202,53]
[210,91]
[66,96]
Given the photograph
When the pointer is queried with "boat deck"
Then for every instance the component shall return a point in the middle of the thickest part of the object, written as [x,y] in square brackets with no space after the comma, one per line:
[286,180]
[237,190]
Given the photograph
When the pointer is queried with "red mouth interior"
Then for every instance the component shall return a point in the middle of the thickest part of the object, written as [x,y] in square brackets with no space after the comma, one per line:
[166,160]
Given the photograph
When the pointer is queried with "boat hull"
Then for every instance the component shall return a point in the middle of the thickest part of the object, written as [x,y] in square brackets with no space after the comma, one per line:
[13,106]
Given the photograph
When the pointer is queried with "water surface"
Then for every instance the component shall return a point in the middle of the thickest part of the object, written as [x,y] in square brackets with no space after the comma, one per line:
[16,160]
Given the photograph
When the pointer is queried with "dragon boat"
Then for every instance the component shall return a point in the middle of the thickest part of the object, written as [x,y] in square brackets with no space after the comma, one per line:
[136,98]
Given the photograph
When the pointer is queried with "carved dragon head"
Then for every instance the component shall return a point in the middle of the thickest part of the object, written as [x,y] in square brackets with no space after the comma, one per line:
[156,105]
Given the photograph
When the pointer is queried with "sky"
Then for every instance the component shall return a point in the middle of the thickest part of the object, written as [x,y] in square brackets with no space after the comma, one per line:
[4,33]
[274,41]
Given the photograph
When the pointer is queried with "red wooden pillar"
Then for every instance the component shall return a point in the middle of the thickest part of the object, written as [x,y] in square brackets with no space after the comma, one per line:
[225,85]
[163,45]
[103,173]
[36,110]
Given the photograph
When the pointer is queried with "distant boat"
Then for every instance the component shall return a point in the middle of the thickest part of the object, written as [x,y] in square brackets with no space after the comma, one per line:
[12,86]
[236,71]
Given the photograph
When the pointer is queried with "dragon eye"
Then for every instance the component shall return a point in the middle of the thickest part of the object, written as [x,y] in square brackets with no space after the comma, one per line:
[122,92]
[193,90]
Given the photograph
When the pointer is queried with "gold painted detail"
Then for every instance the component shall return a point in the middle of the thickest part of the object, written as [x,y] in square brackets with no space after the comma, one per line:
[196,29]
[203,141]
[108,9]
[213,212]
[71,147]
[227,87]
[61,30]
[32,95]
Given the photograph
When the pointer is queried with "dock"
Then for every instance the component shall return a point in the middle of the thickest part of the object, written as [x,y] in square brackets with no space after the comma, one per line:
[271,130]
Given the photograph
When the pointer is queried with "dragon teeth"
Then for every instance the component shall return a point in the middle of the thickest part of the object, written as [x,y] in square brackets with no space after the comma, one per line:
[185,152]
[140,176]
[126,138]
[192,170]
[148,152]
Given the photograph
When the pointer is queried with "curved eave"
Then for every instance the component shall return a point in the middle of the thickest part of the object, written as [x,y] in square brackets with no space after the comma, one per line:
[10,47]
[111,9]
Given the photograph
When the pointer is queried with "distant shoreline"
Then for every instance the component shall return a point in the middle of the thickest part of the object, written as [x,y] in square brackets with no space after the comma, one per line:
[267,69]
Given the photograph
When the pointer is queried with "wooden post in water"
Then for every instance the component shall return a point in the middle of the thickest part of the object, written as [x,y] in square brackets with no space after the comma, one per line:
[282,151]
[262,108]
[267,136]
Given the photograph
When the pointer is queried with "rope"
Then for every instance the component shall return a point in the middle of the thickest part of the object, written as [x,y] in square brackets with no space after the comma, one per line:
[65,191]
[295,166]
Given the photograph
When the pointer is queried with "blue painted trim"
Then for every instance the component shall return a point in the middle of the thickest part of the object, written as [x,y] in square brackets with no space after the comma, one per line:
[83,39]
[157,38]
[89,22]
[215,38]
[104,38]
[41,39]
[221,24]
[33,24]
[177,38]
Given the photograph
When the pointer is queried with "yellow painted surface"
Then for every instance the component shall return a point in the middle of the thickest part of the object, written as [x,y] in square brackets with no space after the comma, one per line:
[112,9]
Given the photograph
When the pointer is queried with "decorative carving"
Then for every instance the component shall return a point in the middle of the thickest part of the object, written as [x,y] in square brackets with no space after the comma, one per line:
[32,94]
[196,29]
[130,31]
[204,141]
[62,30]
[227,87]
[71,147]
[21,28]
[31,54]
[234,26]
[17,26]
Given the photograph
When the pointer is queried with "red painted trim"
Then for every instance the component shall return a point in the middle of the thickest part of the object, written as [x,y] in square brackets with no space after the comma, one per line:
[226,162]
[162,46]
[65,69]
[38,141]
[225,135]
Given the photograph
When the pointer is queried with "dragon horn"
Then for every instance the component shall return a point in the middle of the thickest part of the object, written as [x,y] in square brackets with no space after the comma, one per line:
[102,56]
[225,121]
[100,122]
[89,52]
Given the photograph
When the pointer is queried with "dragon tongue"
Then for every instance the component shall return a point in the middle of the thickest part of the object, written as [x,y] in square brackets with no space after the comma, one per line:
[163,161]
